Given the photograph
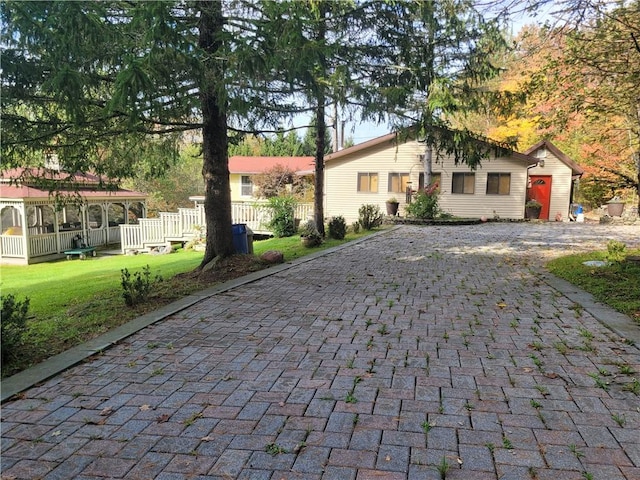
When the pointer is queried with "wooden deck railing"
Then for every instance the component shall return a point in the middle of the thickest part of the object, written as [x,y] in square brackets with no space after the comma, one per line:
[189,222]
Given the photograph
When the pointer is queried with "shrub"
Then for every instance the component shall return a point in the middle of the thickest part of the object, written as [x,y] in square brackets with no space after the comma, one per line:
[425,203]
[283,210]
[616,251]
[370,216]
[355,226]
[310,234]
[337,227]
[13,322]
[137,290]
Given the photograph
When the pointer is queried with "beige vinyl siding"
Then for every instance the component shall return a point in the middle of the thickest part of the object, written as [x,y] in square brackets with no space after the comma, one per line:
[236,187]
[235,180]
[480,204]
[341,178]
[560,183]
[341,182]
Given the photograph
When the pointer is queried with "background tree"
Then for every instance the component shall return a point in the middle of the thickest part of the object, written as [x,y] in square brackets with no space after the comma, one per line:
[580,73]
[428,63]
[282,181]
[601,62]
[172,190]
[316,44]
[279,145]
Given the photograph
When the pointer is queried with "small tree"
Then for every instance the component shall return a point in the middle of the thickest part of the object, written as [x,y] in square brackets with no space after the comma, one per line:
[280,181]
[337,227]
[283,211]
[369,217]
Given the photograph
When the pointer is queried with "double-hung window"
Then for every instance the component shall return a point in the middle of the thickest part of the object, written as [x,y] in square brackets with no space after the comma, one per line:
[398,182]
[463,182]
[246,186]
[498,183]
[368,182]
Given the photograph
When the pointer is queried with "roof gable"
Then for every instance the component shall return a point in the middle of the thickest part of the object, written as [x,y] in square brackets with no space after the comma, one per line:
[575,168]
[394,138]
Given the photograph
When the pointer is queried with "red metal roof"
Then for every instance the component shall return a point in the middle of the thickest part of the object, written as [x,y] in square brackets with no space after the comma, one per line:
[88,185]
[25,192]
[24,174]
[300,165]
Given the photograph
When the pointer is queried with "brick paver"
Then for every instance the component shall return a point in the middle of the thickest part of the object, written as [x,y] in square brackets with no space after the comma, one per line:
[420,349]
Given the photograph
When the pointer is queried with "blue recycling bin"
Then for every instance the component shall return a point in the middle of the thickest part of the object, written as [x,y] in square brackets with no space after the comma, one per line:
[240,243]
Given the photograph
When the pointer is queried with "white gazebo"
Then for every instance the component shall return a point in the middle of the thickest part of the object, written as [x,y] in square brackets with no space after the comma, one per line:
[44,212]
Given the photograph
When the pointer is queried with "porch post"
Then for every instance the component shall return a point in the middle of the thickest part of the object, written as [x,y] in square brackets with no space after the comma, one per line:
[126,212]
[106,222]
[56,229]
[84,222]
[26,248]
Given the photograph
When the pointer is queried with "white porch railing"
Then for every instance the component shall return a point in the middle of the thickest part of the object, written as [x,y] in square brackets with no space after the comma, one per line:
[11,246]
[43,244]
[188,222]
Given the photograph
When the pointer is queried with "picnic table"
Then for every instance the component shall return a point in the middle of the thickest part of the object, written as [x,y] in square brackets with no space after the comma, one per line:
[81,251]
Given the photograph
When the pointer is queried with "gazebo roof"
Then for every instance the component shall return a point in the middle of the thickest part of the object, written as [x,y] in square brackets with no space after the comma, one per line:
[39,183]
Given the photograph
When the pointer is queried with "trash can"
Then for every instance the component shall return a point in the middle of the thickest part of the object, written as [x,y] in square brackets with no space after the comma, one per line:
[579,214]
[239,231]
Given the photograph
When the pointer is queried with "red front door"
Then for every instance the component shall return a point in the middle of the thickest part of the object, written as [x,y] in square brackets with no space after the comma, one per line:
[540,190]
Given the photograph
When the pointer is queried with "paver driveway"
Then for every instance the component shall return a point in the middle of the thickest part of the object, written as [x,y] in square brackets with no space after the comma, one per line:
[415,351]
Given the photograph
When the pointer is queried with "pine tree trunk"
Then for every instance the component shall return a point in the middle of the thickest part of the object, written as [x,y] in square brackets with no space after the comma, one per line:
[321,130]
[215,168]
[318,203]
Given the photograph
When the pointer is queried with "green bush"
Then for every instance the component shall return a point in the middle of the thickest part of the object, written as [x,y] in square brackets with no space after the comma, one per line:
[283,210]
[13,322]
[337,227]
[616,251]
[310,234]
[136,290]
[369,216]
[355,226]
[425,204]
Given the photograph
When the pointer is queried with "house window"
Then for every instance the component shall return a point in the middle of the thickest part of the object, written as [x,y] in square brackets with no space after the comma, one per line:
[246,189]
[463,183]
[368,182]
[398,182]
[498,183]
[436,177]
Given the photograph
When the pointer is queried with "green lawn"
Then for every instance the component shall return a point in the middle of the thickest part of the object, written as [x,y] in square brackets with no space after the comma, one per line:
[617,285]
[72,301]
